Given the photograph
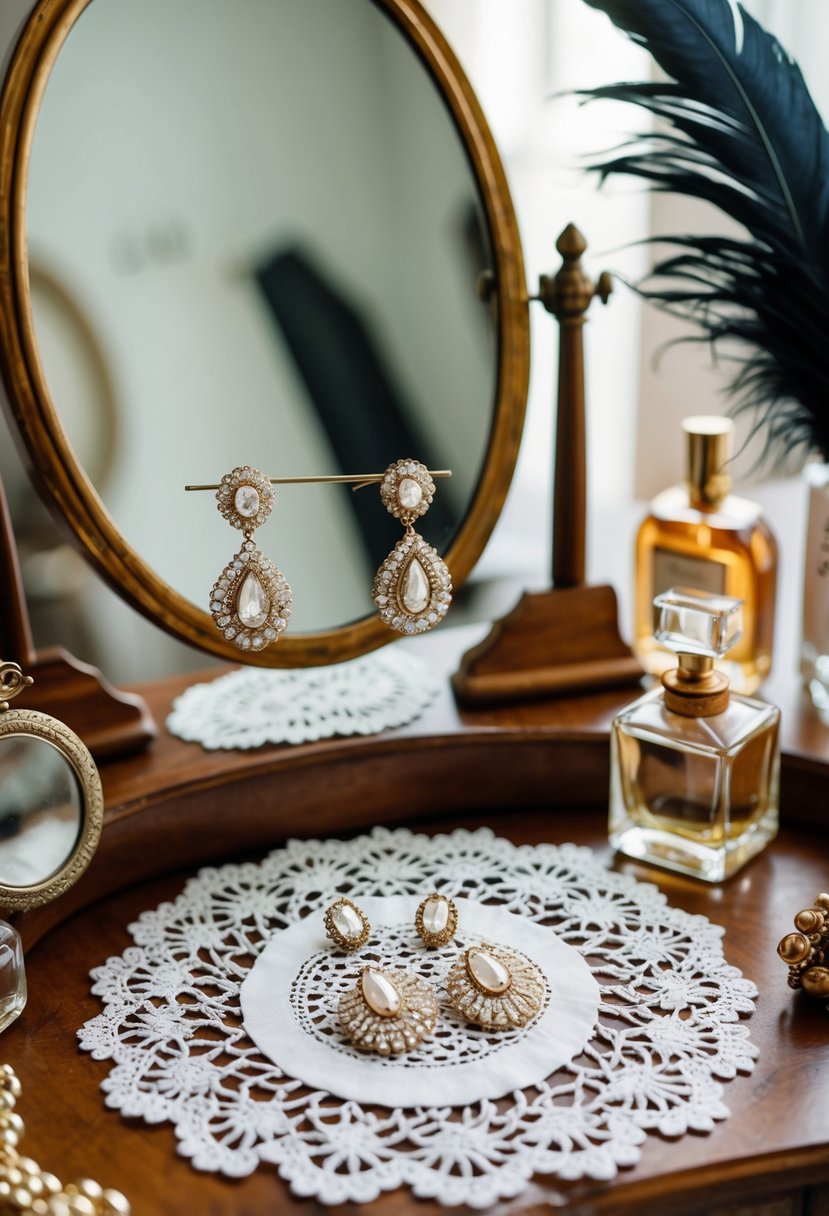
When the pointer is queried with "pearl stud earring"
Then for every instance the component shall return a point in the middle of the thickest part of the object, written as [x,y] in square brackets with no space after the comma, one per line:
[346,924]
[495,988]
[436,920]
[388,1012]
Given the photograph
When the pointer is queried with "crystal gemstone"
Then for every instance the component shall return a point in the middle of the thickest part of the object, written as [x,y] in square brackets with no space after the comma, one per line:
[246,501]
[252,602]
[415,589]
[347,921]
[487,972]
[435,914]
[380,994]
[409,493]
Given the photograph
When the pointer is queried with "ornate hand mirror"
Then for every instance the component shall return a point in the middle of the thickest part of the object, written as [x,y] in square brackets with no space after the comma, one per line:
[51,805]
[275,215]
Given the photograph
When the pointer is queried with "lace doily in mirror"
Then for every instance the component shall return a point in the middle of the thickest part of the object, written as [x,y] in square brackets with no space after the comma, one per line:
[251,707]
[656,1021]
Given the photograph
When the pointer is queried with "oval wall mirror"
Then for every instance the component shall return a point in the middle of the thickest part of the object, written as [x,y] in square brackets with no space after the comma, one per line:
[275,215]
[51,804]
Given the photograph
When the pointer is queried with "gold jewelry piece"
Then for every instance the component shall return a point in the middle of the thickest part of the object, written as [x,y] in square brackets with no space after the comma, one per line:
[358,480]
[436,920]
[806,952]
[26,1189]
[413,588]
[250,601]
[388,1011]
[346,924]
[495,988]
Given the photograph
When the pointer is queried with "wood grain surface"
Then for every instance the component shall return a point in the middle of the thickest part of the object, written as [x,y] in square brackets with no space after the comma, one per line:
[773,1144]
[532,772]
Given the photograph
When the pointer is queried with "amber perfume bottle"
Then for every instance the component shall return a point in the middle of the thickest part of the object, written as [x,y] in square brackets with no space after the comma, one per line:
[698,535]
[695,767]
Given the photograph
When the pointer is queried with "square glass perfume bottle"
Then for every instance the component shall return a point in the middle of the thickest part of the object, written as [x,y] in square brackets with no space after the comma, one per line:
[695,768]
[12,975]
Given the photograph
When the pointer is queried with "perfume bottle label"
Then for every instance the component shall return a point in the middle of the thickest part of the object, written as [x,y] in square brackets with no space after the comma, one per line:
[816,575]
[671,569]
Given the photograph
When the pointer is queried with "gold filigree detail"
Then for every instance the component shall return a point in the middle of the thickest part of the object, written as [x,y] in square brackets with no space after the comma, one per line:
[429,937]
[491,1006]
[346,941]
[390,1034]
[32,723]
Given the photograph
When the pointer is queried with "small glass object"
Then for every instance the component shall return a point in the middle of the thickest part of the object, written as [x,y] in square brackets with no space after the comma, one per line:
[694,768]
[12,975]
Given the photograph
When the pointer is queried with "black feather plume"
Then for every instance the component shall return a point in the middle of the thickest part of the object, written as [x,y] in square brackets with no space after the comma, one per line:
[743,134]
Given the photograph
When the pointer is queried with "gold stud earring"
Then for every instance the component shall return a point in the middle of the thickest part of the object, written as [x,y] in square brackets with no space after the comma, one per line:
[346,924]
[413,588]
[436,920]
[250,601]
[388,1011]
[495,988]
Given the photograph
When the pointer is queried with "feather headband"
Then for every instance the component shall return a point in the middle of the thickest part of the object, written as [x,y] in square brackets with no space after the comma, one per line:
[740,131]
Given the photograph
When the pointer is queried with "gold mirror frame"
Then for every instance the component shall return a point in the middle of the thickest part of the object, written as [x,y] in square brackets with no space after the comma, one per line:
[61,480]
[35,725]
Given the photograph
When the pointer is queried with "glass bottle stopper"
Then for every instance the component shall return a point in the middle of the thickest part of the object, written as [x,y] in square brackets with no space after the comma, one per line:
[699,628]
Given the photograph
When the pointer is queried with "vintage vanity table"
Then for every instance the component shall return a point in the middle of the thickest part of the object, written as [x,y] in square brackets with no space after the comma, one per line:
[533,771]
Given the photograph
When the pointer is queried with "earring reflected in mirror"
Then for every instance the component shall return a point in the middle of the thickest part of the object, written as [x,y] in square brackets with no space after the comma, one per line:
[495,988]
[388,1011]
[346,924]
[251,600]
[436,920]
[413,588]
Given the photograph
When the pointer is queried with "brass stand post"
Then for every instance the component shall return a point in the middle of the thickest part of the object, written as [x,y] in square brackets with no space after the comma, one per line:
[567,639]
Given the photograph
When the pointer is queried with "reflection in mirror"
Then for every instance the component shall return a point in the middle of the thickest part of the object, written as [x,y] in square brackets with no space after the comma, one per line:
[51,802]
[268,218]
[40,810]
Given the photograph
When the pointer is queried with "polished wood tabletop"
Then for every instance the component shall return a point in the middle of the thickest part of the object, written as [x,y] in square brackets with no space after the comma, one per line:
[533,773]
[774,1143]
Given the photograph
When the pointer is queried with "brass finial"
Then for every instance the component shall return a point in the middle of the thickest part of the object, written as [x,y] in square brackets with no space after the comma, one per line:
[568,293]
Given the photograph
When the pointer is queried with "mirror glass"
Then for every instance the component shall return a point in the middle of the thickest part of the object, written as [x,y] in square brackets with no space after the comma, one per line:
[41,810]
[267,220]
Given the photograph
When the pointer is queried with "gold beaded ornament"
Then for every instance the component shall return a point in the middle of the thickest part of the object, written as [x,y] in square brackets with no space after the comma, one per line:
[436,920]
[495,988]
[413,588]
[388,1012]
[26,1189]
[346,924]
[806,951]
[250,601]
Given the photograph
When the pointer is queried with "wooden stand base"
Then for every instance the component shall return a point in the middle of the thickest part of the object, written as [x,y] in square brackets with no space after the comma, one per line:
[110,722]
[552,643]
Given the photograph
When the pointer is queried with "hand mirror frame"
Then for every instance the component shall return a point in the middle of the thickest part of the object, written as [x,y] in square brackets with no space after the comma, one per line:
[61,480]
[31,723]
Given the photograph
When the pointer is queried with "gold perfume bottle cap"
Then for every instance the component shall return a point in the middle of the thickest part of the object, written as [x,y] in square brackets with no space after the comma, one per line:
[699,628]
[709,449]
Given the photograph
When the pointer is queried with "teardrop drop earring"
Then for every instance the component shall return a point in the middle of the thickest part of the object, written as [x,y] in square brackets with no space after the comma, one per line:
[250,601]
[413,588]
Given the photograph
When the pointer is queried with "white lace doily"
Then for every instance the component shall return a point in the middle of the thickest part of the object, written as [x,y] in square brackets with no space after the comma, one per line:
[667,1035]
[290,998]
[250,707]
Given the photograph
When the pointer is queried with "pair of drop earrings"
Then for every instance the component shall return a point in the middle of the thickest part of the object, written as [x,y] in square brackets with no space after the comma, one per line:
[392,1011]
[251,600]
